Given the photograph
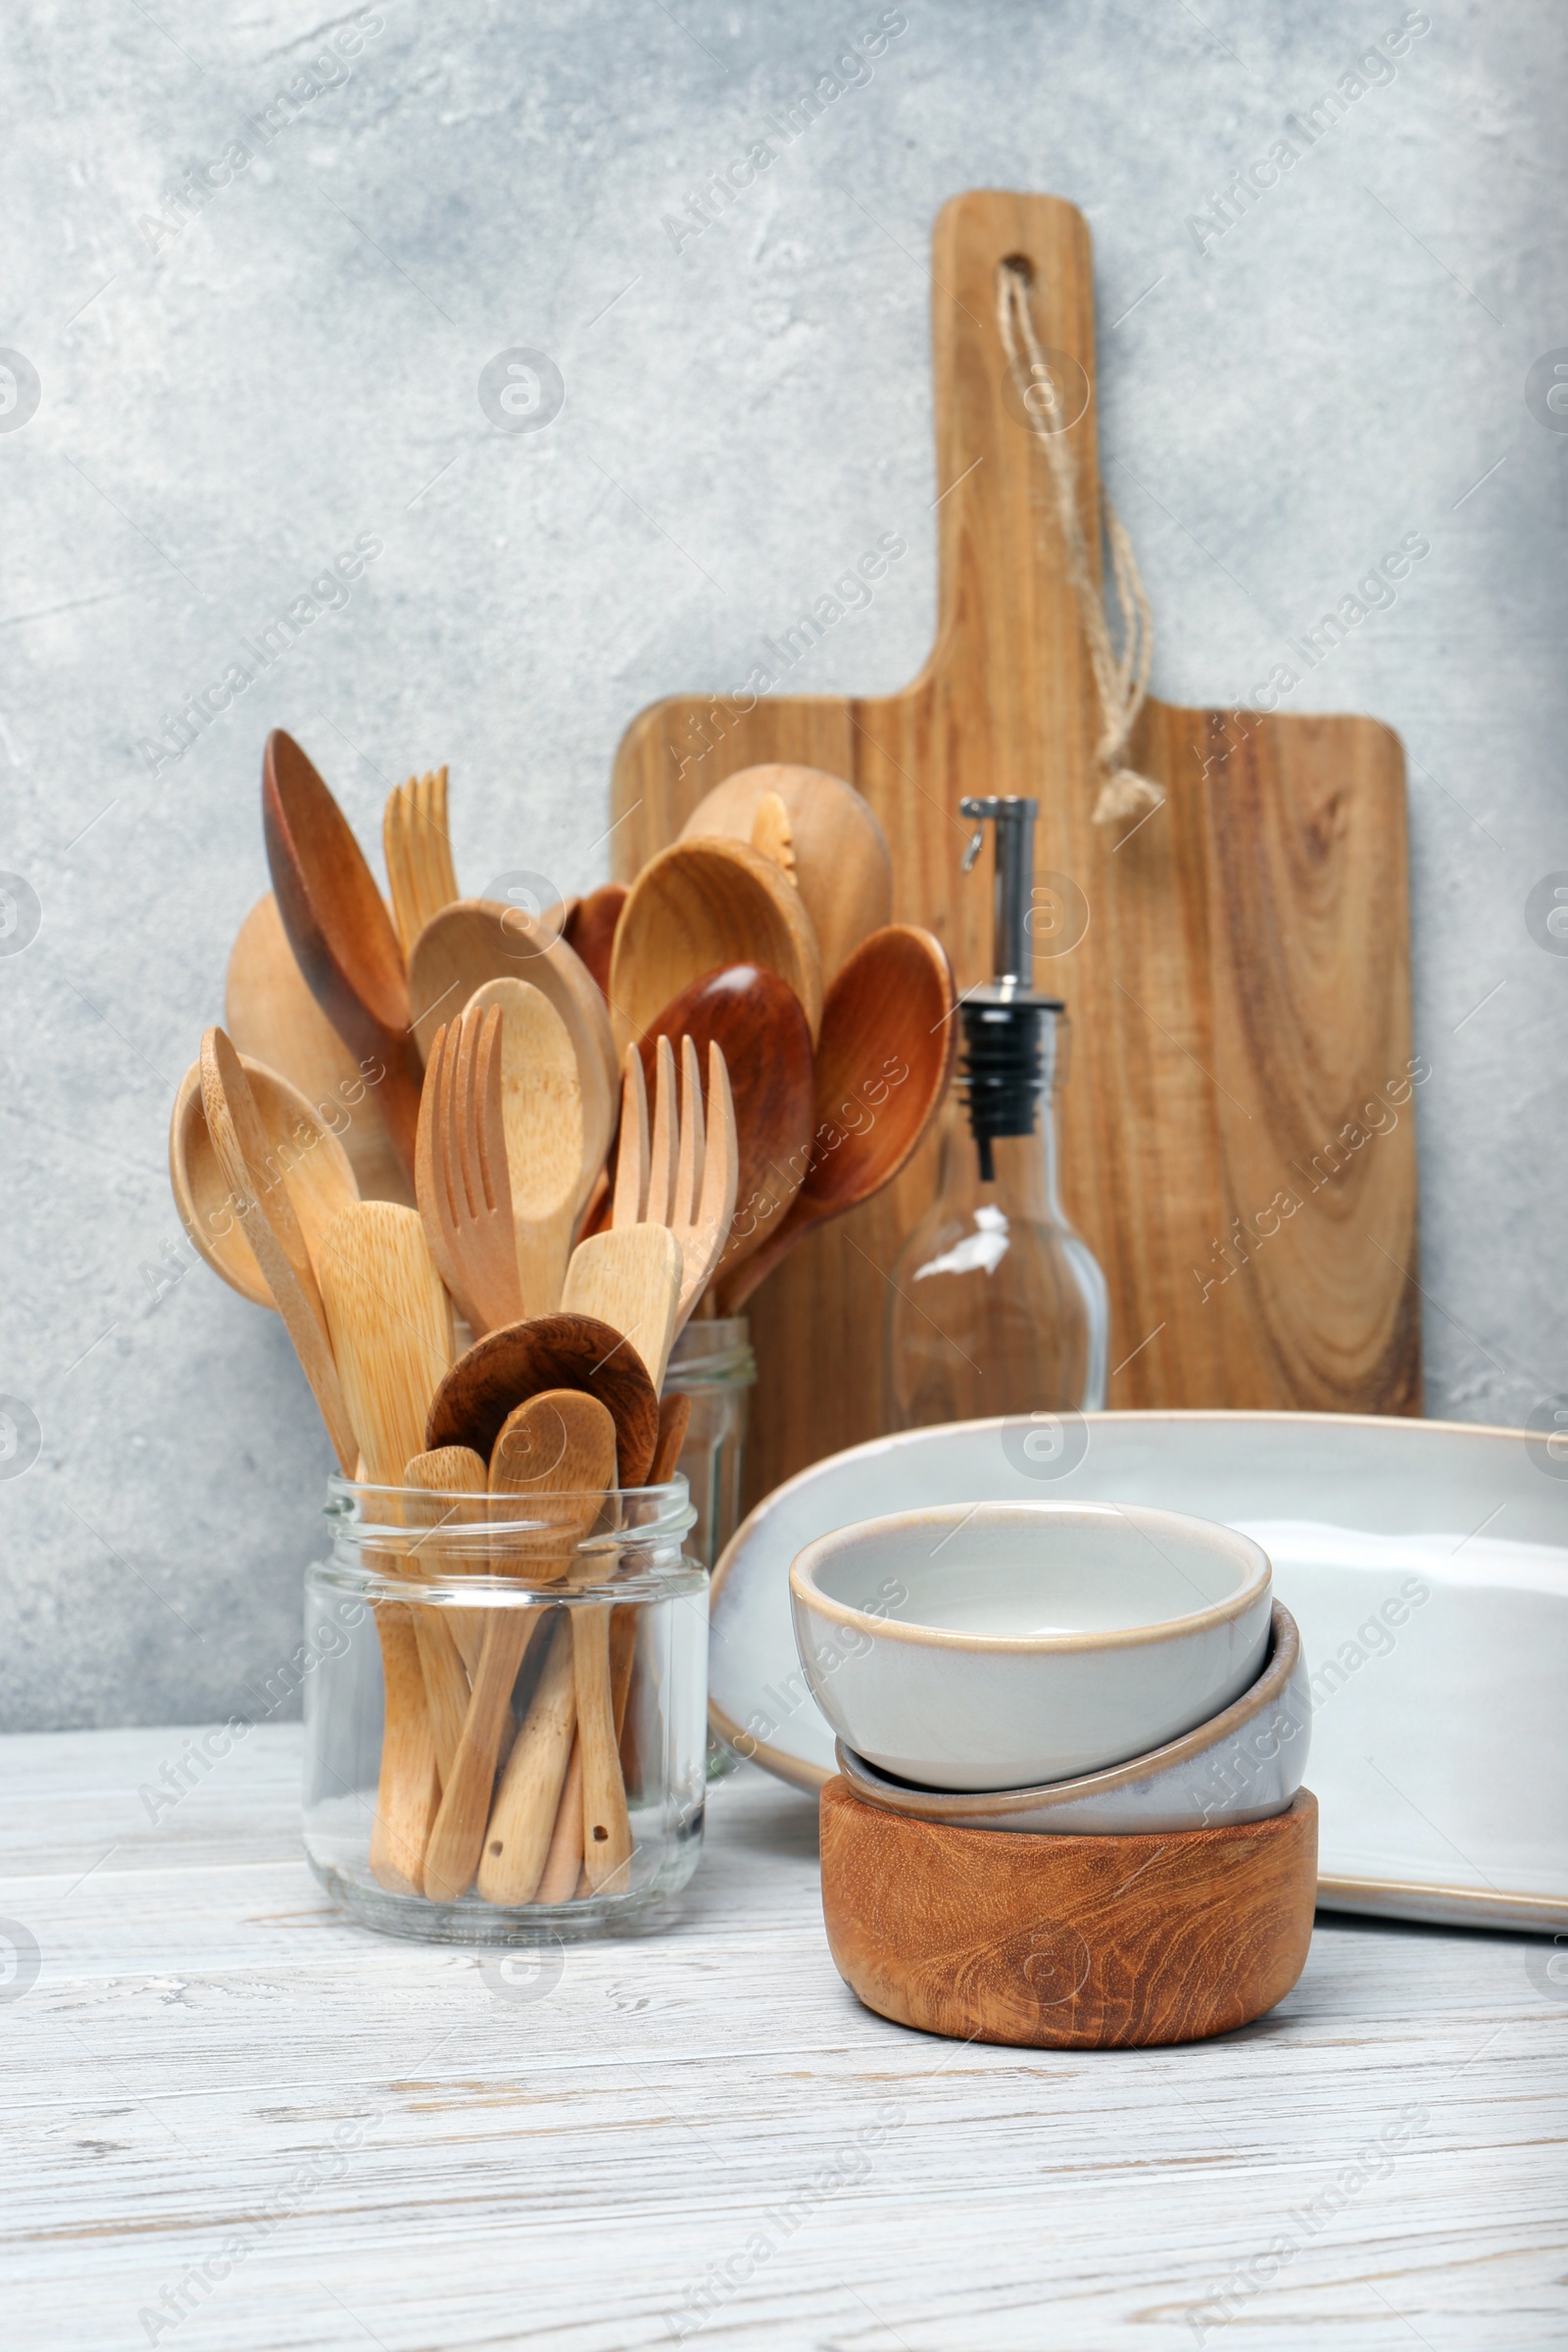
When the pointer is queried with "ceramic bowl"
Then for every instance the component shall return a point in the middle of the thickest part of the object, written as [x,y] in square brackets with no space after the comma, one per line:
[998,1644]
[1244,1764]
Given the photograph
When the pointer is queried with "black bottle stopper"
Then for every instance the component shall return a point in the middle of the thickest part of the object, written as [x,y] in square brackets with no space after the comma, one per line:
[1005,1026]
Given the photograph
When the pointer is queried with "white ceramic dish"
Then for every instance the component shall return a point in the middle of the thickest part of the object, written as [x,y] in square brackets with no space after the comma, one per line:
[1438,1751]
[998,1644]
[1244,1764]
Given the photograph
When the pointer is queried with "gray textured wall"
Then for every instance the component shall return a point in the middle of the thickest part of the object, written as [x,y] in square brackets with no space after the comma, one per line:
[223,409]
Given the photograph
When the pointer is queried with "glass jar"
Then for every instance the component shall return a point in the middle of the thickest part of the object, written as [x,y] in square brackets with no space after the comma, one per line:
[505,1720]
[711,1362]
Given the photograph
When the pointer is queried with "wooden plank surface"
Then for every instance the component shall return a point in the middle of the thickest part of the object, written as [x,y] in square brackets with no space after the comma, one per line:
[1240,996]
[414,2159]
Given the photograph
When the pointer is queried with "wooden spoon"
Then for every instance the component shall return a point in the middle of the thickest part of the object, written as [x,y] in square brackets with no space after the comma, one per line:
[476,940]
[555,1458]
[243,1148]
[590,930]
[274,1020]
[553,1352]
[314,1169]
[340,931]
[883,1064]
[757,1022]
[837,850]
[391,1327]
[630,1279]
[552,1168]
[700,905]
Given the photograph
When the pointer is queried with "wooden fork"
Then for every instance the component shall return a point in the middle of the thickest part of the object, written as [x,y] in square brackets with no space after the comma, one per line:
[674,1173]
[461,1177]
[418,853]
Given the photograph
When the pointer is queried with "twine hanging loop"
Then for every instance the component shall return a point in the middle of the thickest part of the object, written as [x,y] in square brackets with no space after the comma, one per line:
[1121,678]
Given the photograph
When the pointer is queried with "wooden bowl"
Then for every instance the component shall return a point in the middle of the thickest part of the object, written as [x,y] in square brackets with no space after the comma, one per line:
[1076,1943]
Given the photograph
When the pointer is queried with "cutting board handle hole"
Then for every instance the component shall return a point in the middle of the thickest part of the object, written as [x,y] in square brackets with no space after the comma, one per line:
[1022,265]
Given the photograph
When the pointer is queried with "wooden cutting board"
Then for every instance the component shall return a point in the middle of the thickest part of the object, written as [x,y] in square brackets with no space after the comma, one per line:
[1240,1000]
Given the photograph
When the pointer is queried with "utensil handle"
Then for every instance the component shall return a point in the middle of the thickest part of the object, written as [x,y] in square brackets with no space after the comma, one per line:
[407,1792]
[518,1835]
[452,1855]
[607,1828]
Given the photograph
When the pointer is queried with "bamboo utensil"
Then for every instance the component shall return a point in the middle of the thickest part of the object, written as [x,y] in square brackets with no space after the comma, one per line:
[630,1279]
[883,1064]
[691,1176]
[460,1172]
[551,1166]
[590,930]
[302,1154]
[340,931]
[555,1458]
[553,1352]
[275,1020]
[447,1489]
[700,905]
[674,1415]
[757,1022]
[418,853]
[822,832]
[476,940]
[391,1329]
[242,1148]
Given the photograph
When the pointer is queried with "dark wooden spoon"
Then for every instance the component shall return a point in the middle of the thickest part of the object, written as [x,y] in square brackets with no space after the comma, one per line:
[520,1360]
[590,928]
[884,1060]
[757,1022]
[341,933]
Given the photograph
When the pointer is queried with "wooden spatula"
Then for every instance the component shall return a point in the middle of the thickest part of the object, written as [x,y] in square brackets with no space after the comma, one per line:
[391,1328]
[448,1489]
[554,1461]
[630,1279]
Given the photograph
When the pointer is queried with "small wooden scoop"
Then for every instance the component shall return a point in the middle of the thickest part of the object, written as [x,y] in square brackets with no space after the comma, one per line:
[340,931]
[883,1064]
[553,1463]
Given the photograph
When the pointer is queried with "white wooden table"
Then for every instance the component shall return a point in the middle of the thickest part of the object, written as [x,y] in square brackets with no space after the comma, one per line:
[398,2147]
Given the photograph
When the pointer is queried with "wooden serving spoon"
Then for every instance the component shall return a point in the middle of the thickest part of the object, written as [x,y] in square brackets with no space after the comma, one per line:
[476,940]
[312,1164]
[391,1328]
[552,1351]
[758,1024]
[883,1064]
[834,843]
[555,1460]
[243,1148]
[340,931]
[274,1020]
[700,905]
[552,1168]
[590,929]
